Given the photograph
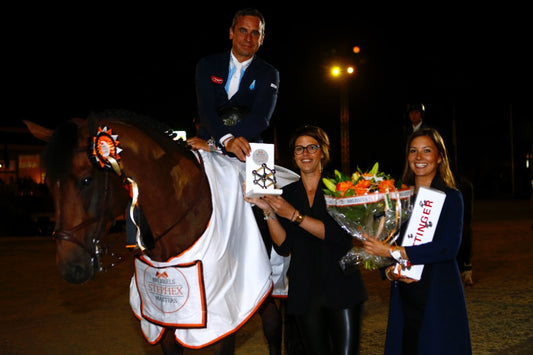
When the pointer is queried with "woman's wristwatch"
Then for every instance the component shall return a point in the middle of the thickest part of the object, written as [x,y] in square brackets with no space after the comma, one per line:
[396,254]
[299,218]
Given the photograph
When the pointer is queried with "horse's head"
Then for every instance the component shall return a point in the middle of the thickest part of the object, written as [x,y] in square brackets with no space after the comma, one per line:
[173,190]
[86,198]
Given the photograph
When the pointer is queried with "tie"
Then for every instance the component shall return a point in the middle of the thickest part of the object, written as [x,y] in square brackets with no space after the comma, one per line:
[233,86]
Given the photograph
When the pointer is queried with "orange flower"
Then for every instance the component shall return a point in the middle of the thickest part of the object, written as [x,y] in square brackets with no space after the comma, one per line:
[386,184]
[362,187]
[363,184]
[360,190]
[343,186]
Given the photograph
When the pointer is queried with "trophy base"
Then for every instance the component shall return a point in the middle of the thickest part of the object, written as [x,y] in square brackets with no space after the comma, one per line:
[261,193]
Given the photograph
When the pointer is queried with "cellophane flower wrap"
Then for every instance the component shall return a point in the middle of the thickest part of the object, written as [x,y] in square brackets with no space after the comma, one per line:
[367,203]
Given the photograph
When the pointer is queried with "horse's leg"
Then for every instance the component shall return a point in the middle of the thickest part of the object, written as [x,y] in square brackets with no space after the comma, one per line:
[225,346]
[169,345]
[272,325]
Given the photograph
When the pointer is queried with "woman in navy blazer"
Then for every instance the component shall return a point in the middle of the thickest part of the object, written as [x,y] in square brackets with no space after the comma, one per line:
[428,316]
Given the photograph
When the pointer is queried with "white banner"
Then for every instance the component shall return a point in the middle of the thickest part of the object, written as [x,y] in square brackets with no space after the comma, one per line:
[421,226]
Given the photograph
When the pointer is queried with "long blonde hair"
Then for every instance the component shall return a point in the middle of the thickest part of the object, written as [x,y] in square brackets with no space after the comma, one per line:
[444,171]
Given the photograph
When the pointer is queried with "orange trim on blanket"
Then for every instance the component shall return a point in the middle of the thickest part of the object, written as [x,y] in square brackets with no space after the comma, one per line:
[177,256]
[267,294]
[158,338]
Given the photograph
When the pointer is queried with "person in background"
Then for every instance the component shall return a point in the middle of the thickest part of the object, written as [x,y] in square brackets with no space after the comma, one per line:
[325,303]
[428,316]
[416,113]
[464,256]
[236,90]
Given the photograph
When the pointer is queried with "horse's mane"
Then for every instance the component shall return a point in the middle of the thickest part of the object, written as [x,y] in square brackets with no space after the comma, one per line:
[158,131]
[63,144]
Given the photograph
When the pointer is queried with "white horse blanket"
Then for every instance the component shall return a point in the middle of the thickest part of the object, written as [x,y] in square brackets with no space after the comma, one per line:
[216,285]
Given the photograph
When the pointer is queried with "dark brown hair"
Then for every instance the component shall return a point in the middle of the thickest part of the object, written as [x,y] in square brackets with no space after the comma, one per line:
[317,133]
[444,171]
[249,12]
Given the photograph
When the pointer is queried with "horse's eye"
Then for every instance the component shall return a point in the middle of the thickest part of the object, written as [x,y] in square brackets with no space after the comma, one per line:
[86,181]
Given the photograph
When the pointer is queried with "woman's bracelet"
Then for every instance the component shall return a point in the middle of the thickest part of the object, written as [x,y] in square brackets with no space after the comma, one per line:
[269,215]
[293,215]
[387,273]
[396,254]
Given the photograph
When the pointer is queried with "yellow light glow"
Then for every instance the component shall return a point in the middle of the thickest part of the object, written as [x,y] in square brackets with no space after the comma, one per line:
[335,71]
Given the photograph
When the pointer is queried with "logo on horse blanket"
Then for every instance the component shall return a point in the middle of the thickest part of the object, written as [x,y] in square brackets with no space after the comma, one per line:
[171,296]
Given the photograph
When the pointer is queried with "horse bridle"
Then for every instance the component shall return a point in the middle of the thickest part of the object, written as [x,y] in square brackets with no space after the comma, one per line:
[95,250]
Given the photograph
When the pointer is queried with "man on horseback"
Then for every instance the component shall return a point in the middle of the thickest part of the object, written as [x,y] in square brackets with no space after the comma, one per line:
[237,93]
[236,90]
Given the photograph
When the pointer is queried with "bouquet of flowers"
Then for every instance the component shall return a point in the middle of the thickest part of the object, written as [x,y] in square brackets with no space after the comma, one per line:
[367,203]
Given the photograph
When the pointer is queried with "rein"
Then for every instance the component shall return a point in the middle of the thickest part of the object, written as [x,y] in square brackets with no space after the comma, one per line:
[135,196]
[95,250]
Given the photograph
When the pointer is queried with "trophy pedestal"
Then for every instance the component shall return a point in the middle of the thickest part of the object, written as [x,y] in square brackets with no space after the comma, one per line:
[260,171]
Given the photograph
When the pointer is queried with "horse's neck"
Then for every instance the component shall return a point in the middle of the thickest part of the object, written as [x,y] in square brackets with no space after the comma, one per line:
[173,193]
[182,218]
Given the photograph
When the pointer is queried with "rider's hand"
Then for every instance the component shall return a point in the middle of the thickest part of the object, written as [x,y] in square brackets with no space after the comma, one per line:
[240,147]
[198,143]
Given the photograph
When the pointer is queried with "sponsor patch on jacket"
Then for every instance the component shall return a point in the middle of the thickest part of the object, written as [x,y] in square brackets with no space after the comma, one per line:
[252,85]
[216,79]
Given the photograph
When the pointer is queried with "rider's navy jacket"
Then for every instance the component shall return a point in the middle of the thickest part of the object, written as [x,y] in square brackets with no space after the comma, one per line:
[257,95]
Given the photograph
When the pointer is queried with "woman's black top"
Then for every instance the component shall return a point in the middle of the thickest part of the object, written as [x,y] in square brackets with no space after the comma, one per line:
[315,277]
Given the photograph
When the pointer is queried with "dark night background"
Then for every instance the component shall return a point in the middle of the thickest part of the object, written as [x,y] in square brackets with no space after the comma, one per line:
[471,65]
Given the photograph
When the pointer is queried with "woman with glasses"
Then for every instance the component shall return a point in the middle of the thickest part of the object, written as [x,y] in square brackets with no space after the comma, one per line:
[325,302]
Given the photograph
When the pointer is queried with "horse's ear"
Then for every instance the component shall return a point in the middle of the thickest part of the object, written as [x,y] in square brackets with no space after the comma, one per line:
[39,132]
[79,121]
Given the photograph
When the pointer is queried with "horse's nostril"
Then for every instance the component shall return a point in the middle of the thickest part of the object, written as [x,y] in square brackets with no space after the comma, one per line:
[77,274]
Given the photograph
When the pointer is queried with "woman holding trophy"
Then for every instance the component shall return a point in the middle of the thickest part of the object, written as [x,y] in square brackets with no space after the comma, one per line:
[325,302]
[428,316]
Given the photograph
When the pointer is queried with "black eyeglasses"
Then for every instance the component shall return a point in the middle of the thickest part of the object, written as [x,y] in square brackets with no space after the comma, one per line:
[311,149]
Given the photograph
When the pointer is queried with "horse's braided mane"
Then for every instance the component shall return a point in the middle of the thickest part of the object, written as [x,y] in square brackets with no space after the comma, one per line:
[157,130]
[63,144]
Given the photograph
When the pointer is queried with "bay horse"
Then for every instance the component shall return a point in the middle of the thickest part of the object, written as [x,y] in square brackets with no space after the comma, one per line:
[87,174]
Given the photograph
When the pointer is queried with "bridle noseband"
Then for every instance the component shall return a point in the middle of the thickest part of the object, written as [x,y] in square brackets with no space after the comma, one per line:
[94,249]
